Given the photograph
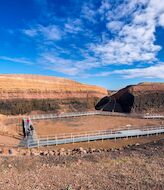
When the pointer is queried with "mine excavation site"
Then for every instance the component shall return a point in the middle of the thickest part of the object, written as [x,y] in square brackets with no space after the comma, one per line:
[56,127]
[81,94]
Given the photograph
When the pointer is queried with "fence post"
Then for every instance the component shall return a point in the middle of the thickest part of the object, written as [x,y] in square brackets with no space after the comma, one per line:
[102,138]
[88,138]
[47,141]
[73,139]
[56,140]
[65,139]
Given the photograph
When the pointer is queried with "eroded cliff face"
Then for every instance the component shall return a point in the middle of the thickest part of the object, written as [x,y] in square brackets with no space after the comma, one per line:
[20,94]
[141,98]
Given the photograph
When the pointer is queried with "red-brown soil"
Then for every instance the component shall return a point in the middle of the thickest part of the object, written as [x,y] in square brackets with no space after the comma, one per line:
[89,123]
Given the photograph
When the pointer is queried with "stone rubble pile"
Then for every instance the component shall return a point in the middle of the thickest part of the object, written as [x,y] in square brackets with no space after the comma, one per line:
[59,152]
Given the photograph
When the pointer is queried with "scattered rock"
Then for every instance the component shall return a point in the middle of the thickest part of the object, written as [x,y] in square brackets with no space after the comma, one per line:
[1,151]
[9,166]
[61,153]
[12,152]
[68,152]
[62,150]
[81,150]
[34,153]
[98,150]
[90,150]
[51,153]
[79,161]
[41,153]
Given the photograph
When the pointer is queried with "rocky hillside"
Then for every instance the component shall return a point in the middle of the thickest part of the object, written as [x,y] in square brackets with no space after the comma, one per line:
[144,97]
[20,94]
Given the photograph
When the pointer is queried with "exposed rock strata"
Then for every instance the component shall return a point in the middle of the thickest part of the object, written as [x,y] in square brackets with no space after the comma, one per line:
[20,94]
[144,97]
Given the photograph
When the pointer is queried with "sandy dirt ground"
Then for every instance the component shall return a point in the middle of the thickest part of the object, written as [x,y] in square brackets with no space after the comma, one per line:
[11,130]
[136,168]
[88,123]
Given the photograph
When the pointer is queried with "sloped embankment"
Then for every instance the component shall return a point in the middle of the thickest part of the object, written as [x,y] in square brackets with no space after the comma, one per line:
[144,97]
[20,94]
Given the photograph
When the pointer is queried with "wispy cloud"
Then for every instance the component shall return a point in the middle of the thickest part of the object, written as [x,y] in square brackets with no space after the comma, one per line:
[50,32]
[155,71]
[68,66]
[88,12]
[73,26]
[16,60]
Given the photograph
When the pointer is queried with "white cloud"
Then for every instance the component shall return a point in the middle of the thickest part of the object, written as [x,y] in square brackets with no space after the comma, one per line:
[135,40]
[161,20]
[88,12]
[115,25]
[30,32]
[155,71]
[50,32]
[73,26]
[67,66]
[105,6]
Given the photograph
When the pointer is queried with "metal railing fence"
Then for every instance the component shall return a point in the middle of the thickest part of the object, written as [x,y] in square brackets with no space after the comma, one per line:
[93,135]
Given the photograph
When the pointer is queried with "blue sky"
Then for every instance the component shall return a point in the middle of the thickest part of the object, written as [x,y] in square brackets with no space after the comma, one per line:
[104,42]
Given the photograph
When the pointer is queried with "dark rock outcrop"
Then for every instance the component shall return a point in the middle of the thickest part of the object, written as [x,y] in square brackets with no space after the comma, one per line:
[141,98]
